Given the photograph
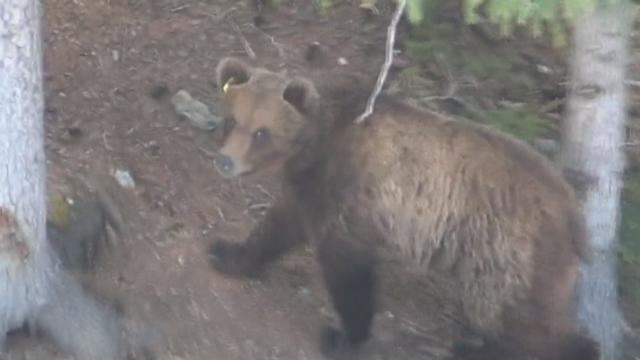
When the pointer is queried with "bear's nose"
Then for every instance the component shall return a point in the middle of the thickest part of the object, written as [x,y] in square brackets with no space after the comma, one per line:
[225,165]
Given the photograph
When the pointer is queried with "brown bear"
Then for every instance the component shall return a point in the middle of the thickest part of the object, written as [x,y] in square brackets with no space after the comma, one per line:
[446,195]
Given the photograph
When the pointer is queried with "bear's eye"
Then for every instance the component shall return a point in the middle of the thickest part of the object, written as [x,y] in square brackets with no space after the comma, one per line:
[261,135]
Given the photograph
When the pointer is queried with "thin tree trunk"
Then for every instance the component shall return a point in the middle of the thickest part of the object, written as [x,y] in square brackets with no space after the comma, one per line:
[593,135]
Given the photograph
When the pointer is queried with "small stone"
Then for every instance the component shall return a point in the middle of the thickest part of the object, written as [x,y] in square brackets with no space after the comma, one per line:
[543,69]
[315,54]
[195,111]
[259,21]
[158,91]
[124,178]
[304,291]
[370,6]
[152,147]
[116,55]
[74,132]
[342,61]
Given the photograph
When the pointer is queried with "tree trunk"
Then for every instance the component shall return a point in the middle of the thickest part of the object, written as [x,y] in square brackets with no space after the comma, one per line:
[33,287]
[25,265]
[592,146]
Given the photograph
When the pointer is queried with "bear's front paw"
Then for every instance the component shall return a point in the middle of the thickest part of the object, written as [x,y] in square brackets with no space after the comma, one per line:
[231,259]
[334,344]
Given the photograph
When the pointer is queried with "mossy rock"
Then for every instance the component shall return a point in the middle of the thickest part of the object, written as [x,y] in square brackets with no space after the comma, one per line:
[59,210]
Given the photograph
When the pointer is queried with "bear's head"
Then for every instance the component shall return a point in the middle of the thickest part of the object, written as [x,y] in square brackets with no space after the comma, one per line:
[267,111]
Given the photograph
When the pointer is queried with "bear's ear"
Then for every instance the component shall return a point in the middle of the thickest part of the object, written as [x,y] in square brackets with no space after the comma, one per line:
[301,94]
[231,71]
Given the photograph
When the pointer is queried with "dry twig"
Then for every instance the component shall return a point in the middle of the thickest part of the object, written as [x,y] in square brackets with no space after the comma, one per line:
[391,39]
[278,45]
[245,42]
[208,153]
[219,17]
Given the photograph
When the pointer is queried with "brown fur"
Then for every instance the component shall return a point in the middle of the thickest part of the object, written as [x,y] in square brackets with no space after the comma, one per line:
[448,195]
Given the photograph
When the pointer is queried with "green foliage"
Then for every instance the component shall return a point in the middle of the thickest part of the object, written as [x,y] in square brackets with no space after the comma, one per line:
[409,77]
[415,10]
[427,51]
[534,14]
[443,48]
[277,2]
[325,4]
[487,66]
[521,123]
[629,251]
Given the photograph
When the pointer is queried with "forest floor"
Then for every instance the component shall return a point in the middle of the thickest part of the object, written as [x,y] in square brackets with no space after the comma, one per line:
[106,64]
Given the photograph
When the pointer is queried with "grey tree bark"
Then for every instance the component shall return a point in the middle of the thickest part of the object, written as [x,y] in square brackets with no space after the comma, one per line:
[592,146]
[24,281]
[33,288]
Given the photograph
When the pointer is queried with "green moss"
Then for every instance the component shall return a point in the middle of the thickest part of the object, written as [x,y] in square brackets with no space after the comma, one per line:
[59,210]
[521,123]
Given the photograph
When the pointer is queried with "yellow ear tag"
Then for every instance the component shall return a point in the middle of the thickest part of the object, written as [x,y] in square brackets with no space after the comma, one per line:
[226,85]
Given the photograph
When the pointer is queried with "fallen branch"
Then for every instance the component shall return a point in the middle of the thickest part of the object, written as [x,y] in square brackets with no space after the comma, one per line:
[391,39]
[278,45]
[245,42]
[218,18]
[208,153]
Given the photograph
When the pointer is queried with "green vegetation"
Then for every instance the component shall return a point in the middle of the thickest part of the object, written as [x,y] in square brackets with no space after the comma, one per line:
[536,15]
[629,252]
[521,123]
[409,77]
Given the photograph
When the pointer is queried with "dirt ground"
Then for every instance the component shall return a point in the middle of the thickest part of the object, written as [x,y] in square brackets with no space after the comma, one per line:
[104,59]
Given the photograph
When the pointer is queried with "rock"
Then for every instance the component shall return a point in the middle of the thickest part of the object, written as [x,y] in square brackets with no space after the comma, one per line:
[316,54]
[370,6]
[152,147]
[196,112]
[543,69]
[158,91]
[124,178]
